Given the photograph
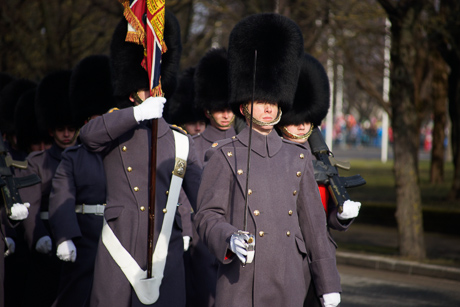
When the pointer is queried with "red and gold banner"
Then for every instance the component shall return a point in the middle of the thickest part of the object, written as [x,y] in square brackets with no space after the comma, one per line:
[146,20]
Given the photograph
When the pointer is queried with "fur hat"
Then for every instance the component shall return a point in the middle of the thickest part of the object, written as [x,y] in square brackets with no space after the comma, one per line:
[279,44]
[128,75]
[5,79]
[9,97]
[52,105]
[26,127]
[182,108]
[91,91]
[211,81]
[311,102]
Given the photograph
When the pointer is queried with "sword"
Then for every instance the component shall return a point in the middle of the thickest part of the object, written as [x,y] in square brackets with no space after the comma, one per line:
[244,234]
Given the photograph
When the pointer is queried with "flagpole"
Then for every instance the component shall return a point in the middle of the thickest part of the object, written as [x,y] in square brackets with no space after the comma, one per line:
[153,176]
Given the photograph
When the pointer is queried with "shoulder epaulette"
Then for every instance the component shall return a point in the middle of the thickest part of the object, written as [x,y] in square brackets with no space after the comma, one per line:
[73,148]
[177,128]
[113,109]
[223,142]
[35,154]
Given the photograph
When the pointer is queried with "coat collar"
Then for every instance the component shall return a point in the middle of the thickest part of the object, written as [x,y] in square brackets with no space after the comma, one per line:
[55,151]
[262,144]
[212,134]
[163,126]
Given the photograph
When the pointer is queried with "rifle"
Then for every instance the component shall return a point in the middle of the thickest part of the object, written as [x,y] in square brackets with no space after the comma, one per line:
[326,171]
[8,183]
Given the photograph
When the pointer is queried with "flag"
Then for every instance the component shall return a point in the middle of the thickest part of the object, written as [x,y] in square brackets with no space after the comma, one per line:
[146,20]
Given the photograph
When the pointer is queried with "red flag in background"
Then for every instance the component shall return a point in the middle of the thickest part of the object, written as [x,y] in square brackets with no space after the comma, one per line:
[146,19]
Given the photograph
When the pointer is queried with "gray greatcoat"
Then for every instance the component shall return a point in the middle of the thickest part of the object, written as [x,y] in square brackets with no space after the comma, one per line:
[43,277]
[203,264]
[285,215]
[125,146]
[79,179]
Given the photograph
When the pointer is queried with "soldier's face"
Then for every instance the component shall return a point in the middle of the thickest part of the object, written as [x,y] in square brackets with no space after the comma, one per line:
[64,136]
[264,112]
[221,119]
[39,146]
[143,95]
[195,127]
[298,130]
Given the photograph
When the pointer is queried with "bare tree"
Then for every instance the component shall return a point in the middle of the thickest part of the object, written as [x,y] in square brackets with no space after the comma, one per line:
[408,59]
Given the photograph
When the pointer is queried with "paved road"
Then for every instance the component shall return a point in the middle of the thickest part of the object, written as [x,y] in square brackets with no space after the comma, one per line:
[368,287]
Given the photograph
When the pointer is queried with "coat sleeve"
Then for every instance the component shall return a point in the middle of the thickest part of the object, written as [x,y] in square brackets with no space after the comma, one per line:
[312,220]
[33,225]
[214,198]
[192,175]
[63,219]
[99,133]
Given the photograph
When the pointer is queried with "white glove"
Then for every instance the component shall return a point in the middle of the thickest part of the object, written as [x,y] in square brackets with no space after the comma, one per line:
[350,210]
[66,251]
[331,299]
[243,250]
[186,242]
[43,245]
[10,245]
[19,211]
[152,107]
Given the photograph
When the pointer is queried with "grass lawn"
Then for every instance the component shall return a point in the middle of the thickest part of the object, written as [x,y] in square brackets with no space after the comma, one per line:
[379,189]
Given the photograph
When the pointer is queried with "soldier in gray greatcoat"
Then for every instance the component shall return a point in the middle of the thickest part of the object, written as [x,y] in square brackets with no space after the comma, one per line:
[284,208]
[211,97]
[123,139]
[78,192]
[54,115]
[310,107]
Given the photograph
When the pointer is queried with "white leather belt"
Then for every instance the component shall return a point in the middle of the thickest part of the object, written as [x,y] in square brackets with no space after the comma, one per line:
[44,215]
[148,289]
[97,209]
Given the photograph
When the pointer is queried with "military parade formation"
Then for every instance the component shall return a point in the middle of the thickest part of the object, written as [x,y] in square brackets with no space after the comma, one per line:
[206,194]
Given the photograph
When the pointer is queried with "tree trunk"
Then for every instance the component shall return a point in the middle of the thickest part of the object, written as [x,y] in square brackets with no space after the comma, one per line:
[439,96]
[454,112]
[406,133]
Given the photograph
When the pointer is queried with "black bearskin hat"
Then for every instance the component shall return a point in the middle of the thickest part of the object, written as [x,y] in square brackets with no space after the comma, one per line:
[52,105]
[311,102]
[182,108]
[279,44]
[27,130]
[128,75]
[9,97]
[171,58]
[5,79]
[91,91]
[211,81]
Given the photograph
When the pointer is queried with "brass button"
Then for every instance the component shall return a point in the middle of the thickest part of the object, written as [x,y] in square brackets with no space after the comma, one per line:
[167,192]
[294,193]
[136,189]
[165,210]
[299,174]
[256,212]
[214,144]
[229,154]
[240,172]
[302,156]
[288,233]
[261,233]
[142,208]
[234,137]
[130,169]
[249,192]
[124,148]
[290,212]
